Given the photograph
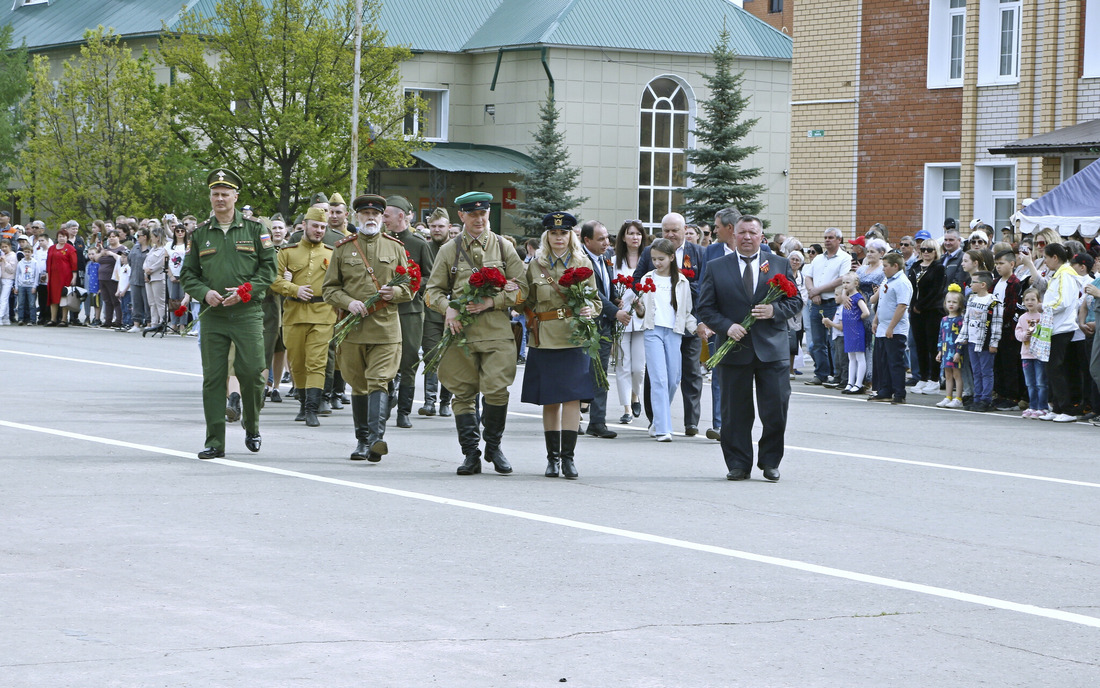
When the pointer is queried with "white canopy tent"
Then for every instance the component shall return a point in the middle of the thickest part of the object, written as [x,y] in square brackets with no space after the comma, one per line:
[1072,206]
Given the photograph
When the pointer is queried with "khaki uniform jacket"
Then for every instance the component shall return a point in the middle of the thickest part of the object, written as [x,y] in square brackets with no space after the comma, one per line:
[431,315]
[330,239]
[307,264]
[418,251]
[221,260]
[490,250]
[348,279]
[545,298]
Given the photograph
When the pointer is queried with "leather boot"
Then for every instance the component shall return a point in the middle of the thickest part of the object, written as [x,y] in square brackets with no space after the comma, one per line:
[233,408]
[431,387]
[394,387]
[335,401]
[376,425]
[359,405]
[323,407]
[301,406]
[404,406]
[568,446]
[553,453]
[313,398]
[494,418]
[444,401]
[469,437]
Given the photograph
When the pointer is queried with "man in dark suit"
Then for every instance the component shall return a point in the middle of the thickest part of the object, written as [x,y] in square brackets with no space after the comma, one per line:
[692,264]
[595,240]
[732,289]
[723,245]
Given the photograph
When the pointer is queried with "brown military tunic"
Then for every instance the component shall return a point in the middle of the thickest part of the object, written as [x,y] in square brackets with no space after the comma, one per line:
[307,325]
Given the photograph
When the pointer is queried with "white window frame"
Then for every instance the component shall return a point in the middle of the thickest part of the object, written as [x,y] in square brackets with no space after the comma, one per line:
[985,196]
[653,223]
[934,196]
[1090,58]
[990,23]
[941,18]
[443,114]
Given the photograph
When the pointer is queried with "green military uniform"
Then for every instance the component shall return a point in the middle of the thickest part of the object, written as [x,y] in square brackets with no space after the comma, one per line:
[412,316]
[222,258]
[490,367]
[361,264]
[307,325]
[433,332]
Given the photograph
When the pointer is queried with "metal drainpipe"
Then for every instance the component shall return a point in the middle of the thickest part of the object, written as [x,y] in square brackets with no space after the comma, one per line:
[545,53]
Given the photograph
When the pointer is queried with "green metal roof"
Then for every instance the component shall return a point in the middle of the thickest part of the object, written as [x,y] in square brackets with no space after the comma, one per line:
[451,26]
[472,157]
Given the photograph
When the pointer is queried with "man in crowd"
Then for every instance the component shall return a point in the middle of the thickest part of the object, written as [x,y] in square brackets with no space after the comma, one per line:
[822,277]
[595,240]
[396,220]
[689,258]
[362,266]
[228,251]
[438,224]
[307,319]
[724,222]
[490,366]
[732,289]
[338,214]
[952,255]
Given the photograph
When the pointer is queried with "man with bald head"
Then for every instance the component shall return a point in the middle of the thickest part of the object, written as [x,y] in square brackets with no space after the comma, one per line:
[691,261]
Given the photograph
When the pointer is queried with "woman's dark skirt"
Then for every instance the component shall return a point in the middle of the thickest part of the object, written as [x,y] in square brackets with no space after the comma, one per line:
[555,376]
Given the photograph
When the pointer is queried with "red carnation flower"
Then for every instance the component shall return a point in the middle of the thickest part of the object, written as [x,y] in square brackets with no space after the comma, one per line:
[180,312]
[246,297]
[688,272]
[400,269]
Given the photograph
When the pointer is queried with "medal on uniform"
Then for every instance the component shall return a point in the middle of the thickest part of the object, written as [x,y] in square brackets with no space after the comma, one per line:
[354,253]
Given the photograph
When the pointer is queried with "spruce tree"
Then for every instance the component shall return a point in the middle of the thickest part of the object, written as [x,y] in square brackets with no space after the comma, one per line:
[549,185]
[719,180]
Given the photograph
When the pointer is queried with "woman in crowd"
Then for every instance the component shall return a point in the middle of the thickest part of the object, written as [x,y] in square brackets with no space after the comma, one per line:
[1060,304]
[794,325]
[7,279]
[108,258]
[630,359]
[176,252]
[61,265]
[1036,273]
[154,268]
[139,307]
[925,313]
[557,375]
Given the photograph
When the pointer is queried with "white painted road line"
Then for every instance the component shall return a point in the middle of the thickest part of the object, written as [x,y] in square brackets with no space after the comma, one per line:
[125,366]
[945,593]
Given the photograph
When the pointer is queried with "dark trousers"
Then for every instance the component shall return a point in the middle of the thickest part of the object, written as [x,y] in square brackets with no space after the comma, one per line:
[412,333]
[1008,372]
[597,410]
[773,393]
[926,336]
[890,366]
[1065,387]
[245,332]
[43,303]
[112,309]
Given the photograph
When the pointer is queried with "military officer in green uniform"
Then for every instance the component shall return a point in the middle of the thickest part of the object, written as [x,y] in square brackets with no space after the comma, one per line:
[307,319]
[490,367]
[361,266]
[438,224]
[396,220]
[227,251]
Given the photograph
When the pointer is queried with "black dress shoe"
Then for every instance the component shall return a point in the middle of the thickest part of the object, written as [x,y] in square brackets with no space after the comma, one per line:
[737,474]
[252,441]
[276,398]
[636,408]
[211,453]
[771,474]
[691,430]
[602,432]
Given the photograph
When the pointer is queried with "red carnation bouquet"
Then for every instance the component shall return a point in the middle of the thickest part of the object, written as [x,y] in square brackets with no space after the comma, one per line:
[586,334]
[244,292]
[401,275]
[777,286]
[619,288]
[484,283]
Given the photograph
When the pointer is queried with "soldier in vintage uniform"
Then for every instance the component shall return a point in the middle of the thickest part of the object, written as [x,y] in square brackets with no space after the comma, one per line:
[227,251]
[557,376]
[438,224]
[490,367]
[307,319]
[396,220]
[361,266]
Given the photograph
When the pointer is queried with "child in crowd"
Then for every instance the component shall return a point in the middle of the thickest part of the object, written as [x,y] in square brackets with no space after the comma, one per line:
[666,318]
[949,331]
[1033,356]
[981,332]
[1007,370]
[7,279]
[891,325]
[92,304]
[26,289]
[853,315]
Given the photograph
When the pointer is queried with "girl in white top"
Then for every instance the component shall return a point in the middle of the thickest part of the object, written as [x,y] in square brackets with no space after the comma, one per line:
[630,358]
[666,318]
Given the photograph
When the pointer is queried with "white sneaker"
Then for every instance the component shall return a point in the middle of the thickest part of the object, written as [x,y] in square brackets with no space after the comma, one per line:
[668,438]
[954,403]
[943,403]
[1064,418]
[916,389]
[1048,415]
[652,431]
[931,387]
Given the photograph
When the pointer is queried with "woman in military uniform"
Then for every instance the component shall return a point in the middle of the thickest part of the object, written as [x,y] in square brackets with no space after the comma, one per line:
[557,373]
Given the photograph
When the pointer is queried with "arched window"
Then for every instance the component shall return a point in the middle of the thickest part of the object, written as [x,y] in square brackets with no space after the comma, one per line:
[666,106]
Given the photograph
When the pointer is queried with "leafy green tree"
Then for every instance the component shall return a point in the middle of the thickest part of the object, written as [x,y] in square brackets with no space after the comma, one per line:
[547,187]
[99,133]
[265,88]
[719,179]
[14,85]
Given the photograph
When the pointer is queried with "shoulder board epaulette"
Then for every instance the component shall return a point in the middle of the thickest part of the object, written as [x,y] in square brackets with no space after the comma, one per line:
[292,245]
[204,224]
[393,238]
[346,240]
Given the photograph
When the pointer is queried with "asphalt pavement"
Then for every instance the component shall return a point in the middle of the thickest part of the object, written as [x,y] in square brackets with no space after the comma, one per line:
[903,546]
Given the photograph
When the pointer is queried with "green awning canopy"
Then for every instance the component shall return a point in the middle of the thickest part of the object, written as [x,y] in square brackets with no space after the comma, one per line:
[472,157]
